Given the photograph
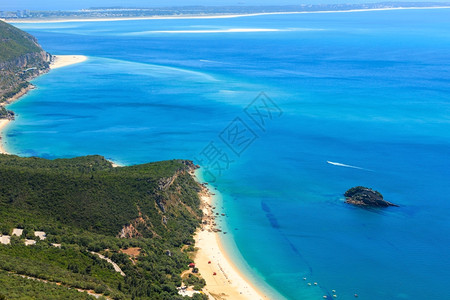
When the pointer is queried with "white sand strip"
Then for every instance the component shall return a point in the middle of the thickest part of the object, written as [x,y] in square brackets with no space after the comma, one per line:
[3,123]
[60,61]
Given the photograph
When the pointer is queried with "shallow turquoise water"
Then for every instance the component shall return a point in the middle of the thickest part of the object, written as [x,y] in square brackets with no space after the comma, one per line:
[369,90]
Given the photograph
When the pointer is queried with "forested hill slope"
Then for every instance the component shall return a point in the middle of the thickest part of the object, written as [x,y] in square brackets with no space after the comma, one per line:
[21,59]
[84,204]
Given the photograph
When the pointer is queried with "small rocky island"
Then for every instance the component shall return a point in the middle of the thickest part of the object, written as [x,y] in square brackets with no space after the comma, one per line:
[363,196]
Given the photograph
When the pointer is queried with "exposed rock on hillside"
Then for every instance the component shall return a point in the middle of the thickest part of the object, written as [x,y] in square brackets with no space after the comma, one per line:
[21,59]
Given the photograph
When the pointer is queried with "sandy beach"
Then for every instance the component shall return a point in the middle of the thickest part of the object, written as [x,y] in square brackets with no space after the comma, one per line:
[217,16]
[3,123]
[210,259]
[60,61]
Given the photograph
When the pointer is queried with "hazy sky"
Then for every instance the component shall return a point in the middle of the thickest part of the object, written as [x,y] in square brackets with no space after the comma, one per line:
[78,4]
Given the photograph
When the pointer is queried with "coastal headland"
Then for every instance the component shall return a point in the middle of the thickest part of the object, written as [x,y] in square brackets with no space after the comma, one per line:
[223,278]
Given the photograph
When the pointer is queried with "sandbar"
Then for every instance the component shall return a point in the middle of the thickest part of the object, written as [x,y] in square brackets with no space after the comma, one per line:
[59,61]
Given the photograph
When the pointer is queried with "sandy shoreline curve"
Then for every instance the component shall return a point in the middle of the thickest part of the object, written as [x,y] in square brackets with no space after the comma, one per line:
[211,258]
[58,61]
[5,122]
[217,16]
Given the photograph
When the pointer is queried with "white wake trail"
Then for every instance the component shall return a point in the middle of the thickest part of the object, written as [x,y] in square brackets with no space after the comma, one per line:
[346,166]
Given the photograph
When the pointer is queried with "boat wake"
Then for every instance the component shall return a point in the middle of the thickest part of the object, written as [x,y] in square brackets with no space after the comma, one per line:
[346,166]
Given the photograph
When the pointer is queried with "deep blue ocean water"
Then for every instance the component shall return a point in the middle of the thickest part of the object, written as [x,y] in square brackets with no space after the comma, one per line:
[368,89]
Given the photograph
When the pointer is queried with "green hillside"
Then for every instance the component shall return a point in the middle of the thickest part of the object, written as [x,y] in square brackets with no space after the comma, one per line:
[15,43]
[84,204]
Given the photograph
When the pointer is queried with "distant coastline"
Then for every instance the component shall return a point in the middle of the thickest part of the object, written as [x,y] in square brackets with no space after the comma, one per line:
[210,16]
[58,61]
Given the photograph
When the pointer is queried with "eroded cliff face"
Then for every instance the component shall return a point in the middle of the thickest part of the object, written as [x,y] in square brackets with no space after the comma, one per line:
[21,59]
[37,59]
[15,74]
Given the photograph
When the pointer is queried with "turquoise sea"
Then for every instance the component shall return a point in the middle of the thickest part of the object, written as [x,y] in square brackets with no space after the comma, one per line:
[368,90]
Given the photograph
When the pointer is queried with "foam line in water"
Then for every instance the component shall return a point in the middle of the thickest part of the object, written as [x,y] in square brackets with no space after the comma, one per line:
[157,70]
[227,30]
[220,30]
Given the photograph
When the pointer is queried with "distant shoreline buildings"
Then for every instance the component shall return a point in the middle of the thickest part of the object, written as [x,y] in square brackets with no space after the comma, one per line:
[133,12]
[15,14]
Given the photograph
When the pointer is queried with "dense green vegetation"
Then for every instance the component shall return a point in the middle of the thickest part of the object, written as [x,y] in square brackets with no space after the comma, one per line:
[15,42]
[83,204]
[4,113]
[17,287]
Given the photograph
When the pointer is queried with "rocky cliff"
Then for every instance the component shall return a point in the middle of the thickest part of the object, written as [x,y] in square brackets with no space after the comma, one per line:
[21,59]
